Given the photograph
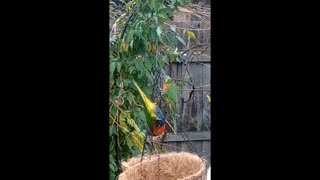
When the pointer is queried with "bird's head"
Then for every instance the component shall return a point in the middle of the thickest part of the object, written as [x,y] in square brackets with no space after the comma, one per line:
[166,78]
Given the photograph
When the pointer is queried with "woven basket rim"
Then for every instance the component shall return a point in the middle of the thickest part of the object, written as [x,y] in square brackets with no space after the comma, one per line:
[134,163]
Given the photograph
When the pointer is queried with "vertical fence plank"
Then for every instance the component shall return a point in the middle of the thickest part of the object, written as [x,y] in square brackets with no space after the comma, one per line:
[206,110]
[206,149]
[196,74]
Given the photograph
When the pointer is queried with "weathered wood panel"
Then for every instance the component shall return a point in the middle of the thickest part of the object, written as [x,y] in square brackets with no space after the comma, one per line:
[206,152]
[206,80]
[194,124]
[192,136]
[194,142]
[195,115]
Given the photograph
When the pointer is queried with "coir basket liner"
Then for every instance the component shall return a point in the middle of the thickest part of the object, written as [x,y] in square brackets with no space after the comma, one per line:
[173,166]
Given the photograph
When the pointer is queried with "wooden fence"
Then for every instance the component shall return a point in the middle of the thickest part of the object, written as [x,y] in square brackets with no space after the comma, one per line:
[194,120]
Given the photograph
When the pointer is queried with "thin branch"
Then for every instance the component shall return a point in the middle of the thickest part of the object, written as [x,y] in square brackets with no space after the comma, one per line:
[137,104]
[189,28]
[126,25]
[189,49]
[171,127]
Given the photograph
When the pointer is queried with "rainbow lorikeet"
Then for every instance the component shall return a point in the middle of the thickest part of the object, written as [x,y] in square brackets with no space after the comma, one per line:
[170,90]
[166,80]
[155,118]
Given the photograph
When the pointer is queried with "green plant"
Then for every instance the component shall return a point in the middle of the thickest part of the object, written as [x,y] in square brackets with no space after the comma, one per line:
[142,43]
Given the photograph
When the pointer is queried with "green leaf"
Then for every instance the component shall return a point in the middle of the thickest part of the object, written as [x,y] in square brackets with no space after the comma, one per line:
[159,31]
[191,35]
[139,65]
[112,160]
[131,44]
[128,142]
[142,118]
[147,89]
[126,82]
[112,175]
[112,130]
[112,167]
[153,34]
[131,69]
[181,40]
[163,17]
[171,39]
[130,98]
[118,66]
[137,138]
[183,2]
[152,4]
[165,59]
[173,2]
[148,64]
[150,78]
[112,67]
[161,62]
[128,5]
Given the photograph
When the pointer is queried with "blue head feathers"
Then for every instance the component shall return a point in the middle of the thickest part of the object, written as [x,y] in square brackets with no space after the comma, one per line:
[166,78]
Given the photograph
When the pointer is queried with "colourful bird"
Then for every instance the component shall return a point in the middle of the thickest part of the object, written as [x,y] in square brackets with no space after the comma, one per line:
[166,80]
[155,119]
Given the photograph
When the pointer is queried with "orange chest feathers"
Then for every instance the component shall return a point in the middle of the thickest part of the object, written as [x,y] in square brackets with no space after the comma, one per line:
[158,130]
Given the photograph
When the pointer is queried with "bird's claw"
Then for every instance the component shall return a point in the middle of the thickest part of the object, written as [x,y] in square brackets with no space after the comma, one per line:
[156,139]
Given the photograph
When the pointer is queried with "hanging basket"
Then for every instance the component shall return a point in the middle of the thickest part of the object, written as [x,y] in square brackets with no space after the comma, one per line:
[173,166]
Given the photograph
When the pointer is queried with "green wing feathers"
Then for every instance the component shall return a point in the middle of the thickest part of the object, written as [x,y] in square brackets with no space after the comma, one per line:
[171,95]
